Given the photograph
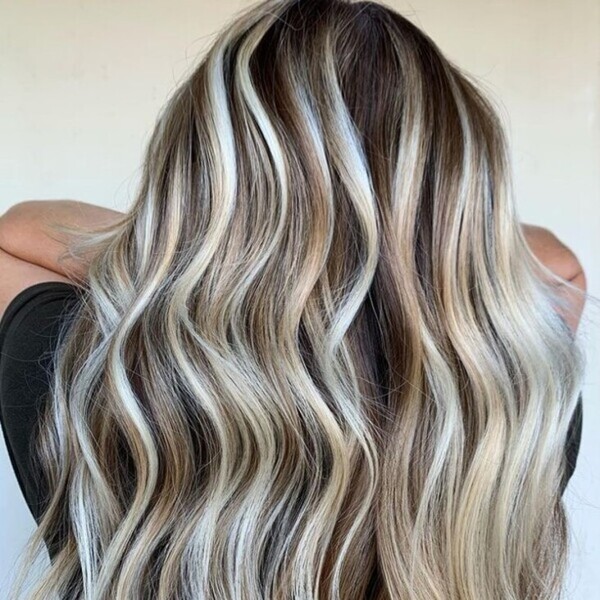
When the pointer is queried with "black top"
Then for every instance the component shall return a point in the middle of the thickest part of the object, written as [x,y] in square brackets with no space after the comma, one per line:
[28,332]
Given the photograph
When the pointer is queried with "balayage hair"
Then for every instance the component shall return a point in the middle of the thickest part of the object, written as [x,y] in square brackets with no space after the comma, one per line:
[316,359]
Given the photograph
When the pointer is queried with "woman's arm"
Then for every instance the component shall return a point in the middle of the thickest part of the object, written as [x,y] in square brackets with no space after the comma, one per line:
[561,260]
[30,249]
[25,231]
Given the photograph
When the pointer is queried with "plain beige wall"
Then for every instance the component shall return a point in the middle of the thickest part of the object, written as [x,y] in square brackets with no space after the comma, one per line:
[81,83]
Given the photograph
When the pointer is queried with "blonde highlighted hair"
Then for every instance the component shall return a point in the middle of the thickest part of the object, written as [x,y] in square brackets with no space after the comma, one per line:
[316,359]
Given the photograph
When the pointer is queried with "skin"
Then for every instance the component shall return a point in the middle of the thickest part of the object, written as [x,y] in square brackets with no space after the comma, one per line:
[29,250]
[562,261]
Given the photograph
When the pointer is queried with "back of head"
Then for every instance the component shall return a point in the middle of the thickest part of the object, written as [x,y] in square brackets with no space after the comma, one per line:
[316,359]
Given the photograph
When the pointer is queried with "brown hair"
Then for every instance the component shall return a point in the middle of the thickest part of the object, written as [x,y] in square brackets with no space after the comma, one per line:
[317,339]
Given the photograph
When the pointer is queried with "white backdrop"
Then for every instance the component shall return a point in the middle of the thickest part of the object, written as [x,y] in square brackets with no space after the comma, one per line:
[82,82]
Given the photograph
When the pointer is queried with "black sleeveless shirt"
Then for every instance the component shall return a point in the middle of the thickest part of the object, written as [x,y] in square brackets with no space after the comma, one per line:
[28,333]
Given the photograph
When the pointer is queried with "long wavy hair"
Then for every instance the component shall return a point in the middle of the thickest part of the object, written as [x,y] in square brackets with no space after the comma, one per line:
[316,359]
